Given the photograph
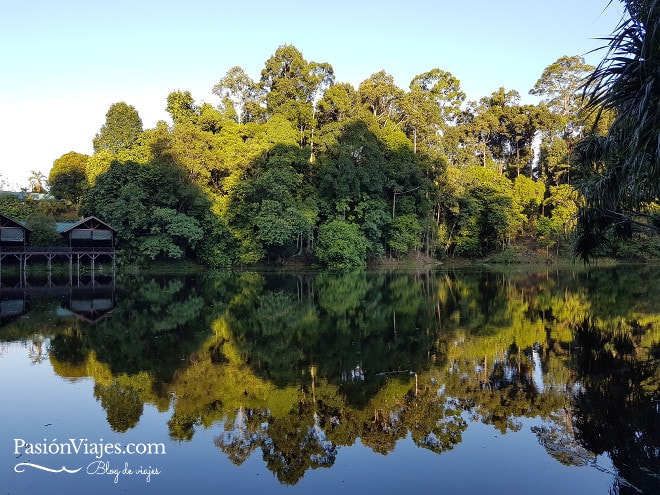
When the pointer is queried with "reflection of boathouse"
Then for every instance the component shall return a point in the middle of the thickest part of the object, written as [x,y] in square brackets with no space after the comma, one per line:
[12,307]
[91,304]
[91,298]
[89,238]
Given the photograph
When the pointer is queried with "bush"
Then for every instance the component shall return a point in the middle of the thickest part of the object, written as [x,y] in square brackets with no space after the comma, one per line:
[341,244]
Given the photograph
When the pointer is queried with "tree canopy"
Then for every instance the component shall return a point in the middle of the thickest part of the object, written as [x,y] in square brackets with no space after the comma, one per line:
[296,165]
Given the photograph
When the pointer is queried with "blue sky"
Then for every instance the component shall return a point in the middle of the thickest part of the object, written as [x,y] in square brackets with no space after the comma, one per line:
[63,63]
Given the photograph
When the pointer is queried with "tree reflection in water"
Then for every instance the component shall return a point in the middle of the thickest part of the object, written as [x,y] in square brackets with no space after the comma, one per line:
[616,403]
[297,366]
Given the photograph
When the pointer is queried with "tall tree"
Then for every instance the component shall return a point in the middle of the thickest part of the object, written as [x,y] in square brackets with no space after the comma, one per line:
[339,102]
[67,177]
[293,87]
[561,83]
[561,88]
[122,127]
[240,96]
[380,95]
[443,89]
[621,170]
[181,107]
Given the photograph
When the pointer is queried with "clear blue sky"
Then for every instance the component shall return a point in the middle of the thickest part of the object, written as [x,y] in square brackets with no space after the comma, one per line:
[63,63]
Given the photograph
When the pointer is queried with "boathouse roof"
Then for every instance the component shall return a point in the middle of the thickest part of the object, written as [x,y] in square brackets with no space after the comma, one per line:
[6,221]
[12,230]
[89,223]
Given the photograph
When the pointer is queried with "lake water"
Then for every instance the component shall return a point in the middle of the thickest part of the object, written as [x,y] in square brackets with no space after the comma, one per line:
[440,381]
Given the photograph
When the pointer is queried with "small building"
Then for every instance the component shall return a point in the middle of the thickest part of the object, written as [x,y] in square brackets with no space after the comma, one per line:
[13,234]
[89,232]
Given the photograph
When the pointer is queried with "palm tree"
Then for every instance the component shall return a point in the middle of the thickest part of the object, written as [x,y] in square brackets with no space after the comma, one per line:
[36,180]
[620,172]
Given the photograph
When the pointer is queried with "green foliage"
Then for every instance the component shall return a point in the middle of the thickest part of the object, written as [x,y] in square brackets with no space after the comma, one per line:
[561,85]
[122,127]
[44,230]
[527,200]
[68,178]
[181,107]
[14,207]
[341,244]
[293,86]
[554,160]
[155,212]
[480,216]
[563,202]
[280,156]
[268,214]
[379,95]
[374,216]
[432,103]
[404,234]
[620,172]
[339,103]
[240,96]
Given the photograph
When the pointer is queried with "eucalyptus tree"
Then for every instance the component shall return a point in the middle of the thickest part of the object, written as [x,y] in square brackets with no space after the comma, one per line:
[381,97]
[621,170]
[338,103]
[561,89]
[293,86]
[122,127]
[432,103]
[560,85]
[241,98]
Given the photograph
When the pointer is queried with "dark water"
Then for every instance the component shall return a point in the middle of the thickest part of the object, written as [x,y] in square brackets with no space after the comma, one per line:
[452,382]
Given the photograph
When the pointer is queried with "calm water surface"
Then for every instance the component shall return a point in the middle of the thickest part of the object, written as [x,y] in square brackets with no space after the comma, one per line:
[456,382]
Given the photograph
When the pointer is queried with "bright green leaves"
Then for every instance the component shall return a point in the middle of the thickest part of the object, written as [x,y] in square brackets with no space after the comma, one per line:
[432,104]
[479,218]
[67,178]
[561,84]
[527,198]
[240,96]
[122,127]
[181,107]
[293,86]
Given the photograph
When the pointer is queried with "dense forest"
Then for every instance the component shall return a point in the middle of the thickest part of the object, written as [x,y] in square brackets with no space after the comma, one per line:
[298,166]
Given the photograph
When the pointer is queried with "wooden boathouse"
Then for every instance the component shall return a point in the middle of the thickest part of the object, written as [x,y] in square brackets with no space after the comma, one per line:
[89,238]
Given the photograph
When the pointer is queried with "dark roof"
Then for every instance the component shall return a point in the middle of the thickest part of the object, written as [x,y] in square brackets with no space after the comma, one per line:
[93,223]
[8,222]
